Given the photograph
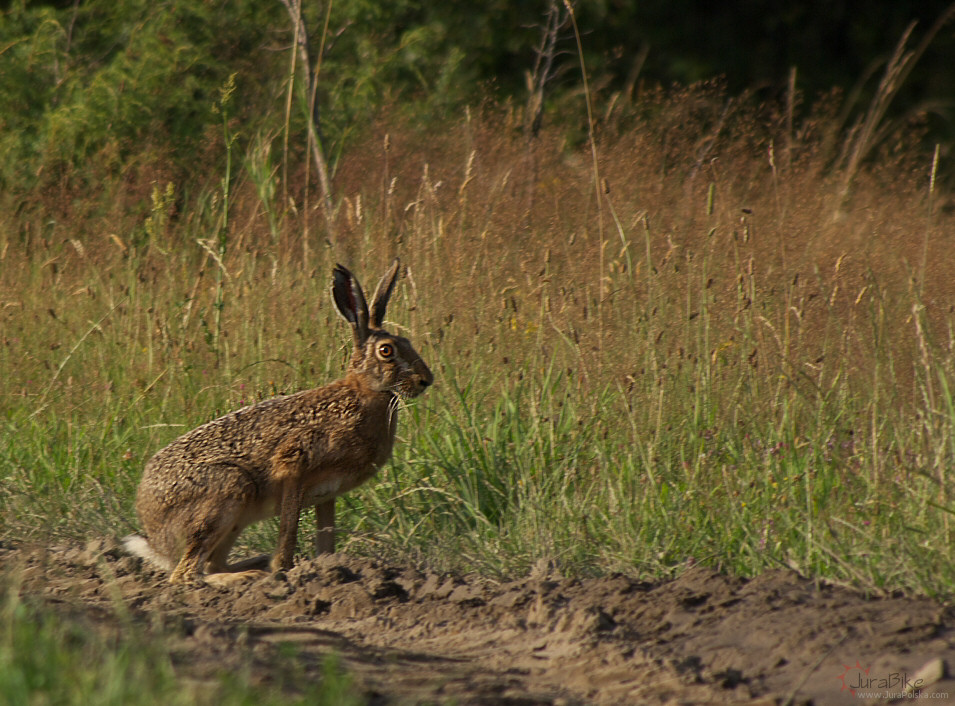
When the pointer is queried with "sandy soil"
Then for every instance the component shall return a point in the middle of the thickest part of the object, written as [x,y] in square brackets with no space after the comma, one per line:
[412,636]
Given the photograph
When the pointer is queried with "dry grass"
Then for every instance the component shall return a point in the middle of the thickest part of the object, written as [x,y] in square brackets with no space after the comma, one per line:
[719,326]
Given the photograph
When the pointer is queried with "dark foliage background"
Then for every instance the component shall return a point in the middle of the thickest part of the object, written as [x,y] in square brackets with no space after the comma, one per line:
[95,90]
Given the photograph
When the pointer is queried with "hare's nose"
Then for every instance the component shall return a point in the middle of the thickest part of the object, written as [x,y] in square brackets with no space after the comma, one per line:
[424,377]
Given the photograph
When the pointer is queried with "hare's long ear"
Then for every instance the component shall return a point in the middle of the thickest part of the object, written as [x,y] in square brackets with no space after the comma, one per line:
[350,300]
[382,294]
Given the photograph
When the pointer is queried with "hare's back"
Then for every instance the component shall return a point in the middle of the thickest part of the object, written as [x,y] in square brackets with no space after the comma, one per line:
[245,436]
[248,437]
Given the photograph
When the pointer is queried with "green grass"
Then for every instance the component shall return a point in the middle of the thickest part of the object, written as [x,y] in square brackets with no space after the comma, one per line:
[708,460]
[539,475]
[718,365]
[731,371]
[686,339]
[55,657]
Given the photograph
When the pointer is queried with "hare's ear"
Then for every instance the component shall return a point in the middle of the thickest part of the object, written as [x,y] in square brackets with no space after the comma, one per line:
[350,301]
[382,294]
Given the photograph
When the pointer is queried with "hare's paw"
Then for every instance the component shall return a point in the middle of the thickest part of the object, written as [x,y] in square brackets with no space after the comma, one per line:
[255,563]
[227,580]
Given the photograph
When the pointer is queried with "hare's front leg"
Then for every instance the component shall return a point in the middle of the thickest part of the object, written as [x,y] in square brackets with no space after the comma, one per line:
[325,524]
[290,506]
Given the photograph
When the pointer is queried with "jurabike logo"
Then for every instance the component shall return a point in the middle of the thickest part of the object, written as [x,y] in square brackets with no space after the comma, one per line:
[858,677]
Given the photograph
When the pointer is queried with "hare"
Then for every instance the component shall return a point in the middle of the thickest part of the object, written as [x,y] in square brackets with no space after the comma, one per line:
[274,457]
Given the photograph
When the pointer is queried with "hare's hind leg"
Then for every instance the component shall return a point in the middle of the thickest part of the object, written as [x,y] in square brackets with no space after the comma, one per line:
[199,546]
[219,559]
[209,550]
[251,569]
[207,530]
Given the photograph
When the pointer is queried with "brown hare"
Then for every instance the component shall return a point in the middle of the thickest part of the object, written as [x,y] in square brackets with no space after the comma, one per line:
[275,457]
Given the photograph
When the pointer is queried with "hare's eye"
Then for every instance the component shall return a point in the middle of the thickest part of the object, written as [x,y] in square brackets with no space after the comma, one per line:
[386,350]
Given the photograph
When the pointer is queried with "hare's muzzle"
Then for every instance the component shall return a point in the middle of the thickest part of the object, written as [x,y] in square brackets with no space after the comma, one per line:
[423,379]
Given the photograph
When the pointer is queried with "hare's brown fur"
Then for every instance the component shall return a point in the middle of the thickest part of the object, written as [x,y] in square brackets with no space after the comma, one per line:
[274,457]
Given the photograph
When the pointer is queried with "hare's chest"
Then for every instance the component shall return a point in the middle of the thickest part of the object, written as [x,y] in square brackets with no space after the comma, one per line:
[385,440]
[372,437]
[342,461]
[351,443]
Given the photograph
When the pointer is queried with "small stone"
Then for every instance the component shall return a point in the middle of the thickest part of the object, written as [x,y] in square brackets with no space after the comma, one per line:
[931,672]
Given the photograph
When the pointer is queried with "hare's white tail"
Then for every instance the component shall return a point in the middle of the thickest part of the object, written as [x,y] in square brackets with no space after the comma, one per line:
[139,546]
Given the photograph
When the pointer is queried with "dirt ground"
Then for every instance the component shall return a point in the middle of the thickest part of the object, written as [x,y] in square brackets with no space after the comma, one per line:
[410,636]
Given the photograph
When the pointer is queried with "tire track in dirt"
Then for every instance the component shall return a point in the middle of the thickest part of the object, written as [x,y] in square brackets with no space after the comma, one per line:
[410,635]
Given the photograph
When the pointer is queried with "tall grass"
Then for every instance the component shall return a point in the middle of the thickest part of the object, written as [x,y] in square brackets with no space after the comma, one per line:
[725,374]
